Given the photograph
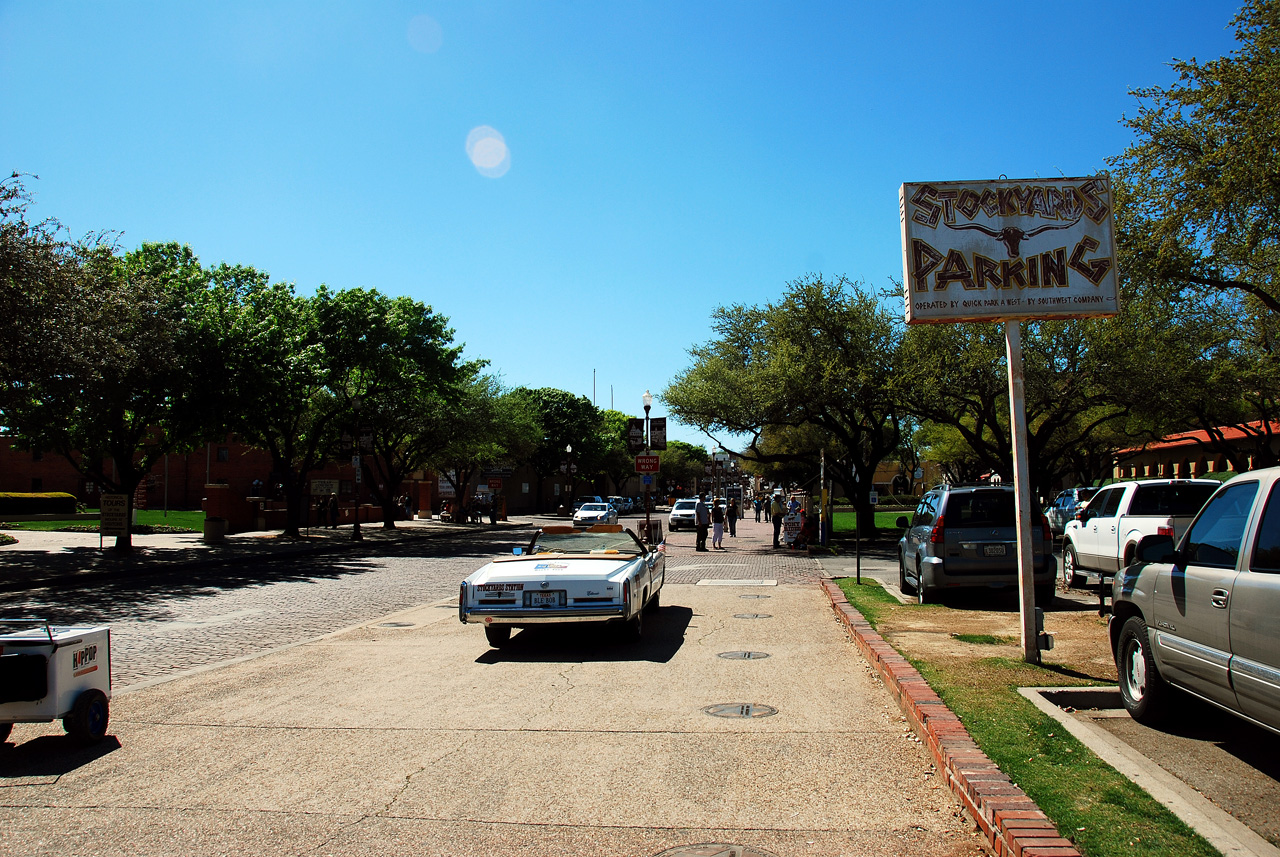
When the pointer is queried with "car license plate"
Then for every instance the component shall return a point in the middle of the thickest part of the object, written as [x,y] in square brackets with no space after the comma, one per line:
[993,550]
[553,598]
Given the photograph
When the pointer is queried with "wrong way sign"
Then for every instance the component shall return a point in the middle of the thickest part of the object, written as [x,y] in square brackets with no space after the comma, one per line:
[647,464]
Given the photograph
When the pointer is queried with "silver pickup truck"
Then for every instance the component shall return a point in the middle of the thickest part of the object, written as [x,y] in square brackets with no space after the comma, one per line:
[1203,615]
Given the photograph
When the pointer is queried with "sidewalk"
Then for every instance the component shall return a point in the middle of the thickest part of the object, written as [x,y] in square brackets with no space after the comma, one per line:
[45,559]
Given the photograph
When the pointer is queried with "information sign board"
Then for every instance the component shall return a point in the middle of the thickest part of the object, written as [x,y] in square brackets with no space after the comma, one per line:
[1008,249]
[115,515]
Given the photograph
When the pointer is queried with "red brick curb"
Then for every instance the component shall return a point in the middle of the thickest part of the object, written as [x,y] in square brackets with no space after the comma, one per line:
[1013,825]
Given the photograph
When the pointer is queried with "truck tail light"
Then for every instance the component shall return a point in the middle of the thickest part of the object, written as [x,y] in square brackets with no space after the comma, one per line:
[1165,529]
[937,533]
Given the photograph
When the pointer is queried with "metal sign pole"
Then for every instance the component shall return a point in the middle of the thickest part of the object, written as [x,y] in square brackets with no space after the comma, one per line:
[1022,490]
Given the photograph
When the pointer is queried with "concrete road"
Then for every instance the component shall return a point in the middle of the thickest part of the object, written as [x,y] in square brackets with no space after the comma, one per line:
[409,734]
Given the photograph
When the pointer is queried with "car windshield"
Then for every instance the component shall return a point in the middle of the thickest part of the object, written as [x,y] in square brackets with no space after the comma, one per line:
[596,540]
[594,507]
[1180,500]
[684,505]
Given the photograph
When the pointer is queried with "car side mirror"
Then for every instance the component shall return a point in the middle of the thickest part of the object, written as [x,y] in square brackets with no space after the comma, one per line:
[517,551]
[904,522]
[1158,548]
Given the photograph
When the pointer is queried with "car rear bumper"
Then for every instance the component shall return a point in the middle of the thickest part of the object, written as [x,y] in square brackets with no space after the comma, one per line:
[528,616]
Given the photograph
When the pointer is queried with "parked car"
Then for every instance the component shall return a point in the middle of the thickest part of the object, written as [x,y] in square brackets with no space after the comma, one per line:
[601,574]
[589,514]
[967,536]
[1064,507]
[681,516]
[1202,614]
[622,504]
[1106,533]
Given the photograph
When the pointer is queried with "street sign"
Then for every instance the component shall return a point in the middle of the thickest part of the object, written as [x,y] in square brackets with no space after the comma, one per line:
[647,464]
[635,434]
[658,433]
[647,479]
[874,498]
[115,515]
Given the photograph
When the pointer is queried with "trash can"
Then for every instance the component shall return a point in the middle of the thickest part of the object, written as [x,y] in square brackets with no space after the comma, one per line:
[215,529]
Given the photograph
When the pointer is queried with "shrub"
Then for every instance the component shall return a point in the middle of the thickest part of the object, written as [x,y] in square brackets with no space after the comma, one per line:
[48,503]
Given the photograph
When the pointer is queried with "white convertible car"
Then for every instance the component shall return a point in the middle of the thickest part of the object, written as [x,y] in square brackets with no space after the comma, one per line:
[600,574]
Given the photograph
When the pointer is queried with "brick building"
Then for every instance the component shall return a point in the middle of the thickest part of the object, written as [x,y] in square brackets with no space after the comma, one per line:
[1187,455]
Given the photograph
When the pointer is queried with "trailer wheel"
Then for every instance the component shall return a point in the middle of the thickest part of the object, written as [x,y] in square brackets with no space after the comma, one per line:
[87,722]
[497,635]
[5,729]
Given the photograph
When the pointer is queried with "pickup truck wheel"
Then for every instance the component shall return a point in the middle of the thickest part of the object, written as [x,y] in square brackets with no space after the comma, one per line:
[1070,576]
[497,635]
[907,588]
[1142,690]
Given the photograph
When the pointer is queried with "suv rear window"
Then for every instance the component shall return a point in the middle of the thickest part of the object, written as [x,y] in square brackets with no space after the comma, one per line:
[1173,500]
[980,509]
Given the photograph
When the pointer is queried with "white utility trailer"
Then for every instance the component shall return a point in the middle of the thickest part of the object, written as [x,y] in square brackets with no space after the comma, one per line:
[49,673]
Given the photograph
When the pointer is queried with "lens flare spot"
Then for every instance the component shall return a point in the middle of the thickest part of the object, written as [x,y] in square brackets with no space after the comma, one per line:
[488,152]
[425,34]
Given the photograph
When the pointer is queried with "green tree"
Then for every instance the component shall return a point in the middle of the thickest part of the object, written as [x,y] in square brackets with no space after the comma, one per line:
[485,426]
[565,420]
[826,355]
[1199,184]
[129,380]
[681,465]
[393,367]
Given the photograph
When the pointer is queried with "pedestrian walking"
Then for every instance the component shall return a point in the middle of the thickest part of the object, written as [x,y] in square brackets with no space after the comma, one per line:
[333,511]
[767,504]
[701,522]
[717,526]
[756,504]
[733,519]
[776,512]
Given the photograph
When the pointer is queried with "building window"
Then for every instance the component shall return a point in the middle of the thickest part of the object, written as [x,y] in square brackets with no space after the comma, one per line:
[224,453]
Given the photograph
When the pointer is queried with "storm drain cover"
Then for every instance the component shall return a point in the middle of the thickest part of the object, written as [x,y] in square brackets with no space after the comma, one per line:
[716,849]
[753,615]
[742,710]
[755,596]
[395,625]
[743,656]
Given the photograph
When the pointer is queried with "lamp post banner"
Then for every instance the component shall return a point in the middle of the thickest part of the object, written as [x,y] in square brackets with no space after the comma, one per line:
[658,433]
[1008,249]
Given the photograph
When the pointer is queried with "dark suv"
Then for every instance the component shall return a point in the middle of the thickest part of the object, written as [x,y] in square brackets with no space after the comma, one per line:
[967,536]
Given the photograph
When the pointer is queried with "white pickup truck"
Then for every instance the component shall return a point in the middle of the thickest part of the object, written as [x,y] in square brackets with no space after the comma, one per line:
[1103,538]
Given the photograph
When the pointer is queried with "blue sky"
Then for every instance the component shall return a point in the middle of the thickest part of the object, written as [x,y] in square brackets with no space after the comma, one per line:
[655,160]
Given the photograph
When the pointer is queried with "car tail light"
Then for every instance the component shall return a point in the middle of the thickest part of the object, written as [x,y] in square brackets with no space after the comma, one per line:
[626,592]
[937,533]
[1046,533]
[1165,529]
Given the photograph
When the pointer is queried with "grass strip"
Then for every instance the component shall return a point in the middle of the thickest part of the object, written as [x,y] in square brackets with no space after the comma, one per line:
[149,521]
[1092,804]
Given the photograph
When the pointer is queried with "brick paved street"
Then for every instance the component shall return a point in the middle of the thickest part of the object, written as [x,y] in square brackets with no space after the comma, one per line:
[168,623]
[750,555]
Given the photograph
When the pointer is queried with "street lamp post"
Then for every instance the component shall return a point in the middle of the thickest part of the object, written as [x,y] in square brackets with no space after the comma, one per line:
[356,536]
[647,398]
[568,473]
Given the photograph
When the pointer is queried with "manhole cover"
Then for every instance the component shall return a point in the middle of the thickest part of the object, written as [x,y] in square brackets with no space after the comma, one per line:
[716,849]
[744,710]
[743,656]
[753,615]
[395,625]
[755,596]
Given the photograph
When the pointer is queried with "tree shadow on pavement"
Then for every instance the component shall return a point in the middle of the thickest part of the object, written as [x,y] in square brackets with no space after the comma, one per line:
[146,587]
[664,633]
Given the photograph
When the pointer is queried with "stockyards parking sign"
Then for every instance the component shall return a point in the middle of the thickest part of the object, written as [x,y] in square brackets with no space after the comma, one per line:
[1008,249]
